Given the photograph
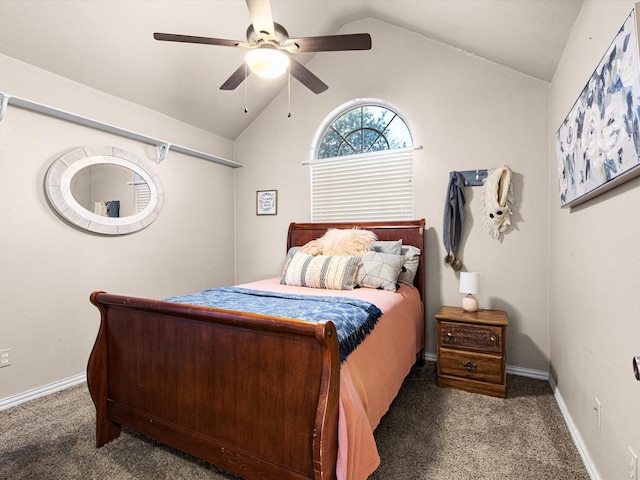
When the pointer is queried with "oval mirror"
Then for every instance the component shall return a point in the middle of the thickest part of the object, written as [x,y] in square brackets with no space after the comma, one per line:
[92,184]
[105,190]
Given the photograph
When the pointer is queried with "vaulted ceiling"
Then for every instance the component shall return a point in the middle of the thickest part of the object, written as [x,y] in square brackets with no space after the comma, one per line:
[109,45]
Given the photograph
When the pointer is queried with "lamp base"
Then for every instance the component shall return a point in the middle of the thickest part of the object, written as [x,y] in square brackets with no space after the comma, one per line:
[470,303]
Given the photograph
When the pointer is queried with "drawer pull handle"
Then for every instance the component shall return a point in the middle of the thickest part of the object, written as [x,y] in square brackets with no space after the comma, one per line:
[493,339]
[449,334]
[469,365]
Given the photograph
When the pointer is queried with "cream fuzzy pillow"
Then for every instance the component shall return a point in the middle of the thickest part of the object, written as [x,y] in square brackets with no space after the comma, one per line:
[352,242]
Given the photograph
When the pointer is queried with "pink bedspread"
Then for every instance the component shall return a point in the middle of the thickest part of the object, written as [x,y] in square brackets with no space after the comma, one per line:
[373,374]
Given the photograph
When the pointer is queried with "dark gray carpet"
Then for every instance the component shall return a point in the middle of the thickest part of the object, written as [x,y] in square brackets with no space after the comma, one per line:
[429,433]
[446,434]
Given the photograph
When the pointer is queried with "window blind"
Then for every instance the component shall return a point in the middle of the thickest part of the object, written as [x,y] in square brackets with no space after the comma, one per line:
[371,186]
[141,193]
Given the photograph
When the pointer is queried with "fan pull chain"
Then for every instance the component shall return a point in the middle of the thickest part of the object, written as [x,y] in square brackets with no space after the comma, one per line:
[289,91]
[246,89]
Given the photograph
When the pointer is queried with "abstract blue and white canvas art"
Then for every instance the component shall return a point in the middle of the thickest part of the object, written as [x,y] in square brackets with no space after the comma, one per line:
[598,144]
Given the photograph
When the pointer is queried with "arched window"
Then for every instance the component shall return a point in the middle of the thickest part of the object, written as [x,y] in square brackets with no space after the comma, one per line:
[362,165]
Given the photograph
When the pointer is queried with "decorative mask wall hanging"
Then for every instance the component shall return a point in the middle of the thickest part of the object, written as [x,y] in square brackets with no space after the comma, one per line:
[497,201]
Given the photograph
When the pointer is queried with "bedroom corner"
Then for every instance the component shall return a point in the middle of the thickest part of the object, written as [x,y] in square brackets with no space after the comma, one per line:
[50,267]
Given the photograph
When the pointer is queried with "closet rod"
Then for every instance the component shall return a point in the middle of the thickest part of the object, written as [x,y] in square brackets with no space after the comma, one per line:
[162,147]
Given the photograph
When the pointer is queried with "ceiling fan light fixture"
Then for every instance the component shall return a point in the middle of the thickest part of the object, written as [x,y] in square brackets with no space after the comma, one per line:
[267,62]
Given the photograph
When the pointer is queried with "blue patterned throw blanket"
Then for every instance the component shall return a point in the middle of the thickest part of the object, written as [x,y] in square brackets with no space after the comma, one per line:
[354,319]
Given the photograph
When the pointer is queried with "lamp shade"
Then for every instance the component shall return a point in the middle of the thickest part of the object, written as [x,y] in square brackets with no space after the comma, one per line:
[469,282]
[267,62]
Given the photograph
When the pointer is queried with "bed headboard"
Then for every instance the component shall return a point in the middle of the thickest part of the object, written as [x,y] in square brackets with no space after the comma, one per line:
[411,232]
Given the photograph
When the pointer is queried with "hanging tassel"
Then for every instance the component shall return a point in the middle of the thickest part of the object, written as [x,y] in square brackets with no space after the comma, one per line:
[289,91]
[246,89]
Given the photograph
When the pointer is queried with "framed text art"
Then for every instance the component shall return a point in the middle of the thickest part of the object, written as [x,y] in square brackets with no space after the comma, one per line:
[598,144]
[267,202]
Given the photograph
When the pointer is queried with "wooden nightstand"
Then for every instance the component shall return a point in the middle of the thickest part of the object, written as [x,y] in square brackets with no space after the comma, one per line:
[472,350]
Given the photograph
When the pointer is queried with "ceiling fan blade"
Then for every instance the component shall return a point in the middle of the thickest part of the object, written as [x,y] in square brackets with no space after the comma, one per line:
[304,76]
[333,43]
[236,78]
[170,37]
[261,17]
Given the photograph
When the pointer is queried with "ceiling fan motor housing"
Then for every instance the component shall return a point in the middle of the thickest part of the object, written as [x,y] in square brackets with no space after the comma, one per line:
[280,36]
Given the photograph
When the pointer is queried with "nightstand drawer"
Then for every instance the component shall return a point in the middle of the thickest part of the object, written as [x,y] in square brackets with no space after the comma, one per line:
[476,366]
[484,338]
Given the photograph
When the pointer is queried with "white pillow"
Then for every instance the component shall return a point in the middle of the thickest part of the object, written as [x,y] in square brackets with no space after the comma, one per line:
[411,261]
[394,247]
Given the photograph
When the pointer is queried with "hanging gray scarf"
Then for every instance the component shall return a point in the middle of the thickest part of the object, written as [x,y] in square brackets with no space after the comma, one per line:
[453,219]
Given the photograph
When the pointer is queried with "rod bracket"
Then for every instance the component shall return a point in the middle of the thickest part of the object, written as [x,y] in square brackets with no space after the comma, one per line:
[162,149]
[4,101]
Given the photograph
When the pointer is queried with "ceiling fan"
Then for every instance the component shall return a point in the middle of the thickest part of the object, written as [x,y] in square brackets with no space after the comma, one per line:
[269,43]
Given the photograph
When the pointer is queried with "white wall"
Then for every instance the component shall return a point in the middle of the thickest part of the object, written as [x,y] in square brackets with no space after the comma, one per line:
[48,268]
[594,262]
[467,113]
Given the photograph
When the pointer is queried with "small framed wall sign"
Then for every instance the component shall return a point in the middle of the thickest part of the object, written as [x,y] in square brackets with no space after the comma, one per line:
[267,202]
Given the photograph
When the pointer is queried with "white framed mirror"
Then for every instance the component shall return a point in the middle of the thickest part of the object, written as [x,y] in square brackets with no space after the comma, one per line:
[104,189]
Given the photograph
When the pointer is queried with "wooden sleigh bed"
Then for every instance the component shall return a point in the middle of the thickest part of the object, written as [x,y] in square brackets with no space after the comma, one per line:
[256,395]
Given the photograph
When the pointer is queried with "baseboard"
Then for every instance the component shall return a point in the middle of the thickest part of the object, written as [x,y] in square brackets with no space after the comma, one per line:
[41,392]
[528,372]
[430,357]
[575,434]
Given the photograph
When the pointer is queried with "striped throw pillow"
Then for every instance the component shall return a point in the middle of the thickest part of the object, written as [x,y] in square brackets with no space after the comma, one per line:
[321,271]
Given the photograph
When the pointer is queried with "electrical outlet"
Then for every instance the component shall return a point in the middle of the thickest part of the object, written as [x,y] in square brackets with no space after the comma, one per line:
[5,359]
[597,407]
[633,465]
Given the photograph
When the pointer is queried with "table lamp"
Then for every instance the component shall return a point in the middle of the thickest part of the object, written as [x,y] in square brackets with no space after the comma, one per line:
[469,284]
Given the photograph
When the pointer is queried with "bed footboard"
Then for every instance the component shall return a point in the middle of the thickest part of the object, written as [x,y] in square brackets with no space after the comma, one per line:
[252,394]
